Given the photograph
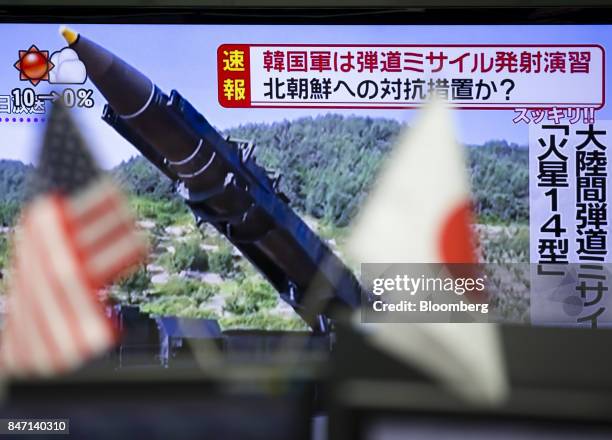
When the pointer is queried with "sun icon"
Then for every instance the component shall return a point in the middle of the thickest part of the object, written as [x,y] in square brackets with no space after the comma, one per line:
[34,65]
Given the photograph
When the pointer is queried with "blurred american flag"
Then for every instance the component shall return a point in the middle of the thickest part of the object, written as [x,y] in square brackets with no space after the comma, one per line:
[75,236]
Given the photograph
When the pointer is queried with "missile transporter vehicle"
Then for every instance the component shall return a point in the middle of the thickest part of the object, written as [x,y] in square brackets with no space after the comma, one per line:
[222,184]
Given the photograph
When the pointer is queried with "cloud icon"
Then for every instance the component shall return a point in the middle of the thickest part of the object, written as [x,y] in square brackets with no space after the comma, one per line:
[68,68]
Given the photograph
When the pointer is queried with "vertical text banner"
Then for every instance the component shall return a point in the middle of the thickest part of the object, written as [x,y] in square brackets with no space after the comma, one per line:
[569,194]
[407,76]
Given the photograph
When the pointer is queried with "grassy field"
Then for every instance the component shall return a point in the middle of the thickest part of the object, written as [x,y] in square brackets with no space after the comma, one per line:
[328,165]
[197,273]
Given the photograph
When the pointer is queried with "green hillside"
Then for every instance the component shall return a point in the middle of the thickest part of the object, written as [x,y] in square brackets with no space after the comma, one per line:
[328,164]
[13,176]
[138,177]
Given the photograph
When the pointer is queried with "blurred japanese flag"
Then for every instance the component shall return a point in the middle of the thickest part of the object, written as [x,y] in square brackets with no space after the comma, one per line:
[420,212]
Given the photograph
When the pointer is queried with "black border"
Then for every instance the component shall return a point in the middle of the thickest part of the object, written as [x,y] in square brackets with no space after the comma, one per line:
[304,15]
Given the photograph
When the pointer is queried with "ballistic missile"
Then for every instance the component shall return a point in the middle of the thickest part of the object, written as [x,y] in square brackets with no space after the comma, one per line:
[223,185]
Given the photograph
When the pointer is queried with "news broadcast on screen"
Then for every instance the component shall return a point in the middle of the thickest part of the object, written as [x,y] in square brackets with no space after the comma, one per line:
[298,222]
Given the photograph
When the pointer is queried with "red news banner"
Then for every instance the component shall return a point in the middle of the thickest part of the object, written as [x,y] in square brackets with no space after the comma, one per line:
[407,76]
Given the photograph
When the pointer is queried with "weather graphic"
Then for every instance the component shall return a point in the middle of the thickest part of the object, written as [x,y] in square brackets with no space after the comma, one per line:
[34,65]
[69,69]
[62,68]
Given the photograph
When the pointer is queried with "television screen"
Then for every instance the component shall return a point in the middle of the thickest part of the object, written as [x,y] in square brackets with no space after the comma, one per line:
[324,106]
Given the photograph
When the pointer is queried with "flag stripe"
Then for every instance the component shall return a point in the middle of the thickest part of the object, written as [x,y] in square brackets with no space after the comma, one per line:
[62,257]
[97,237]
[30,331]
[64,264]
[9,356]
[116,257]
[89,198]
[79,220]
[50,252]
[38,324]
[106,234]
[97,328]
[19,339]
[59,313]
[94,203]
[14,350]
[14,357]
[120,266]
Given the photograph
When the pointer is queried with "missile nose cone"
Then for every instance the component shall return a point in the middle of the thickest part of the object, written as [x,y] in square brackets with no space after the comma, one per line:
[69,35]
